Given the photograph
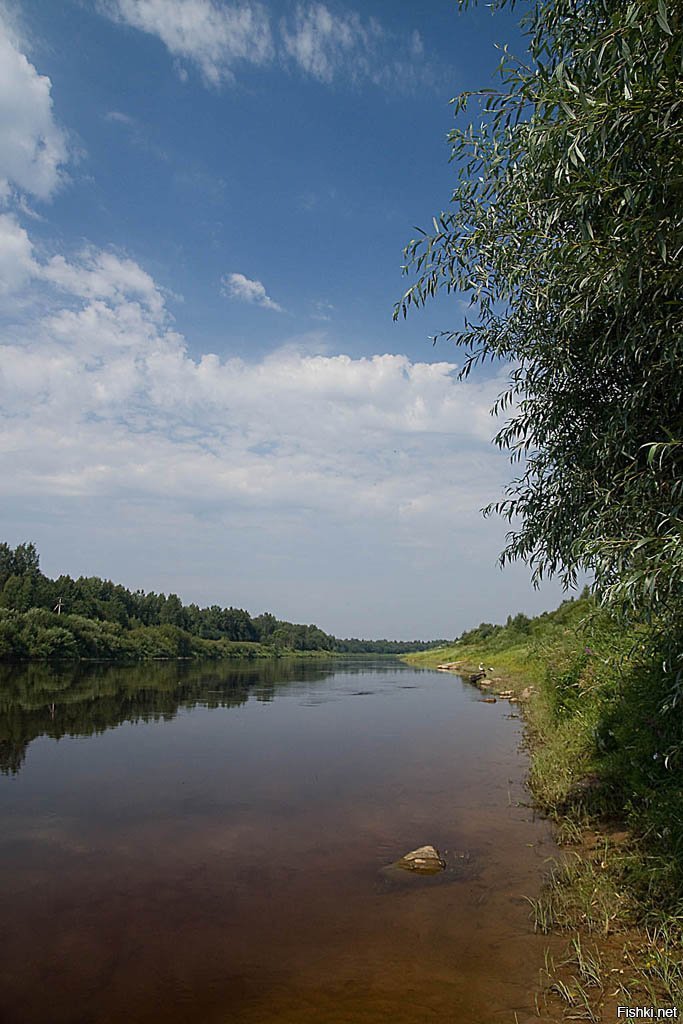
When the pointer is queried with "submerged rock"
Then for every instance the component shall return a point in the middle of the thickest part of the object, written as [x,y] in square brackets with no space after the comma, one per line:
[426,861]
[426,867]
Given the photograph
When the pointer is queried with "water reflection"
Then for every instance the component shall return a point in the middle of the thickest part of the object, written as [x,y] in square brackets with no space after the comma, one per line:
[59,700]
[206,843]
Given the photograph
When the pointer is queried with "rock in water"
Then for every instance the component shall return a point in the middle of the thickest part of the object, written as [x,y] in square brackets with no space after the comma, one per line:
[426,861]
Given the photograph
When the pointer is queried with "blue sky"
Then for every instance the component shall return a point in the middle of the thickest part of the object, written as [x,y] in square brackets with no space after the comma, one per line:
[203,210]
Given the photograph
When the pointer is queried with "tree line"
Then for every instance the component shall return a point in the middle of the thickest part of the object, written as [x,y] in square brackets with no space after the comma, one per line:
[89,617]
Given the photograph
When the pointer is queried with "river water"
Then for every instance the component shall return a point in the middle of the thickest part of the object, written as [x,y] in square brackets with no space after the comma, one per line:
[204,843]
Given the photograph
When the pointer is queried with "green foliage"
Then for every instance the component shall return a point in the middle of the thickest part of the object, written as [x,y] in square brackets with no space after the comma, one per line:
[22,561]
[566,233]
[102,620]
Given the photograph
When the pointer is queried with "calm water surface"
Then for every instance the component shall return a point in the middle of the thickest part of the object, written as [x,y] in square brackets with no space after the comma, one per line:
[203,843]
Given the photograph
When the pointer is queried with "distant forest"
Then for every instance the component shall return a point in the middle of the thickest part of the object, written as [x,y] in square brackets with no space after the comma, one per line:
[88,617]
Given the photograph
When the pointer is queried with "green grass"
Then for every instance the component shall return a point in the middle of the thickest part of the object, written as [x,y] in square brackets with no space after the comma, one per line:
[577,981]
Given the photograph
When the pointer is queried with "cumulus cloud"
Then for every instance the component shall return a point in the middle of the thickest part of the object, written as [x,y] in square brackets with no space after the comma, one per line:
[313,39]
[101,396]
[97,274]
[237,286]
[33,150]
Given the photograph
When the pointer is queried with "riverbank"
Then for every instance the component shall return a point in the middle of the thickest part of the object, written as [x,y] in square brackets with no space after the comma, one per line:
[604,741]
[170,648]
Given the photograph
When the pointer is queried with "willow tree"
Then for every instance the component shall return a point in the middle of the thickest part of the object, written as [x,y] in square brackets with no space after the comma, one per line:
[565,230]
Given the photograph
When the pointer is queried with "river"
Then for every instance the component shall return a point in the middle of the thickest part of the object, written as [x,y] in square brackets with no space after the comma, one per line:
[205,843]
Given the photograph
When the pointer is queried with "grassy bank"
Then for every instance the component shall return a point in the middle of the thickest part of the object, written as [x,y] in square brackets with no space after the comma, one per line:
[605,738]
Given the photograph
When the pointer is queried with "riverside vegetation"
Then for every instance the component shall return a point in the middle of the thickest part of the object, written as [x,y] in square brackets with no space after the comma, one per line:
[604,745]
[91,618]
[564,234]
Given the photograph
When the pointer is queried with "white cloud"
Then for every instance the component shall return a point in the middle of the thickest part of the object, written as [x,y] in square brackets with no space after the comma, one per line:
[416,44]
[324,45]
[119,118]
[97,274]
[313,39]
[100,396]
[322,310]
[215,36]
[33,149]
[237,286]
[17,265]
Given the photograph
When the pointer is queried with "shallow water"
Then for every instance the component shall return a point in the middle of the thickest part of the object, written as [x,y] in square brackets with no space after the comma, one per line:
[205,843]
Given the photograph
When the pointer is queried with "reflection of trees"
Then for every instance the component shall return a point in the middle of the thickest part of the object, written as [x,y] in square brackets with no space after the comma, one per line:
[42,699]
